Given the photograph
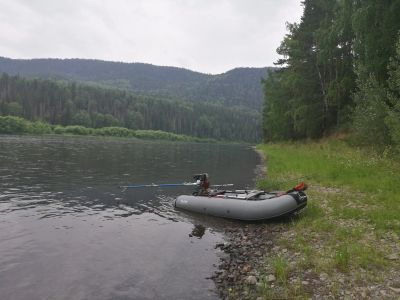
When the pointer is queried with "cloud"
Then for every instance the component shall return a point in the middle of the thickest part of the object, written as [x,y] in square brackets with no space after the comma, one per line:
[206,35]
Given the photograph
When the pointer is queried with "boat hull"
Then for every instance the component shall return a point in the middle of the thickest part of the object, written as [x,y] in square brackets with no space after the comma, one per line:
[243,209]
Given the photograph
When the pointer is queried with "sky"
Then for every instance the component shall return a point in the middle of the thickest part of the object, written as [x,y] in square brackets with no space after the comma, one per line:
[209,36]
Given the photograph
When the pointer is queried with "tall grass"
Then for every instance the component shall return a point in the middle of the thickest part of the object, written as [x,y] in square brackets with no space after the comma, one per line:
[351,222]
[342,258]
[332,163]
[372,180]
[281,269]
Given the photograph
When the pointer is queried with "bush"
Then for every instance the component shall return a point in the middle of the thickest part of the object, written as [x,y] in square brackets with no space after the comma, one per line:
[13,125]
[115,131]
[40,127]
[161,135]
[59,129]
[370,114]
[17,125]
[79,130]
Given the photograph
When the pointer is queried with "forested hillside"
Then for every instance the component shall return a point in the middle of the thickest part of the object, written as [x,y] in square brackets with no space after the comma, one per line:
[238,87]
[339,72]
[69,103]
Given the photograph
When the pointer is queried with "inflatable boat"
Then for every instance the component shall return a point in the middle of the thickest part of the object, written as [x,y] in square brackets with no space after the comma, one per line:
[245,205]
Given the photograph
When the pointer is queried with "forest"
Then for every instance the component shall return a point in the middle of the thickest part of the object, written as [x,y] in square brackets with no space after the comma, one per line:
[90,106]
[237,87]
[339,73]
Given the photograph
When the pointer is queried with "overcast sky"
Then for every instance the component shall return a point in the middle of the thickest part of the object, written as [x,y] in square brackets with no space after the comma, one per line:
[210,36]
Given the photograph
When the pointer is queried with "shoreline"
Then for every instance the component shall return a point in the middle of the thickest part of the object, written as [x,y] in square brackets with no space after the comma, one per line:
[260,169]
[332,249]
[237,275]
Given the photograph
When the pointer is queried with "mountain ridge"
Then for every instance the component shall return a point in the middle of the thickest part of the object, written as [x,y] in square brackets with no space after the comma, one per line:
[237,87]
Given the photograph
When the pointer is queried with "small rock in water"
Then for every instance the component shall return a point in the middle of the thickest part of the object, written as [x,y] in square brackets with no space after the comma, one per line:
[252,280]
[304,282]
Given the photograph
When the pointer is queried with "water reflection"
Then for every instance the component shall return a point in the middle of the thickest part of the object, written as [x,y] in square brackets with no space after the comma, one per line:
[63,216]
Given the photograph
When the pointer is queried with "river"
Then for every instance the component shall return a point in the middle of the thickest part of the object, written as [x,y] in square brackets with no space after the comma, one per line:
[67,231]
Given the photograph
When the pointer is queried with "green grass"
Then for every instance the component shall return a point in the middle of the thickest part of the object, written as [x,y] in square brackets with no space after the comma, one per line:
[330,163]
[368,179]
[281,269]
[353,208]
[342,258]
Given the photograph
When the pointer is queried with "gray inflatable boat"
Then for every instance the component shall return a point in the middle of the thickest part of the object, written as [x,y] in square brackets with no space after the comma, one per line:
[244,205]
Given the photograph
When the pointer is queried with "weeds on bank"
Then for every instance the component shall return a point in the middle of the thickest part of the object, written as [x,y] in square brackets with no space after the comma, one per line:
[342,258]
[370,182]
[281,269]
[281,288]
[353,205]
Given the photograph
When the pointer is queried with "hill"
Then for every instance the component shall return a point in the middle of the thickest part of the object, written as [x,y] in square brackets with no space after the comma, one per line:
[70,103]
[237,87]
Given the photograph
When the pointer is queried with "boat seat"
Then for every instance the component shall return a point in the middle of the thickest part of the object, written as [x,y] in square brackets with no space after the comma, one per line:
[217,193]
[237,196]
[254,195]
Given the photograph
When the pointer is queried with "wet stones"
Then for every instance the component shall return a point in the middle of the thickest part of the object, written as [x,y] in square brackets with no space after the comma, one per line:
[251,280]
[270,278]
[244,271]
[240,259]
[393,256]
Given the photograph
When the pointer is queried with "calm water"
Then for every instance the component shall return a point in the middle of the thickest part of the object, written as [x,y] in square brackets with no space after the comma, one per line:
[68,232]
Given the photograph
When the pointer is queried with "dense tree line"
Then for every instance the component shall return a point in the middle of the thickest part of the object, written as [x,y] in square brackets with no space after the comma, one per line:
[237,87]
[339,72]
[67,103]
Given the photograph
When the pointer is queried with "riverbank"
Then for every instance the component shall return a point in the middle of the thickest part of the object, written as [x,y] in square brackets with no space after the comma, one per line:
[343,245]
[17,125]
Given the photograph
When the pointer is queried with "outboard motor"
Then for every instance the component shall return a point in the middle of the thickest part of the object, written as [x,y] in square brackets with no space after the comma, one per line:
[203,184]
[201,177]
[298,193]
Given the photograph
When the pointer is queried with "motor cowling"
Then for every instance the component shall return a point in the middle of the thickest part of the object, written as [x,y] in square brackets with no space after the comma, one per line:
[201,177]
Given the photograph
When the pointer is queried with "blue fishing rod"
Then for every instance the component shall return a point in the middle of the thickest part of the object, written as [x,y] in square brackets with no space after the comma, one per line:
[124,187]
[158,185]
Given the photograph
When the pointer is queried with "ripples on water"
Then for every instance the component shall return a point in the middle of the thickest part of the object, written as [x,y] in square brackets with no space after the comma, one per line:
[68,232]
